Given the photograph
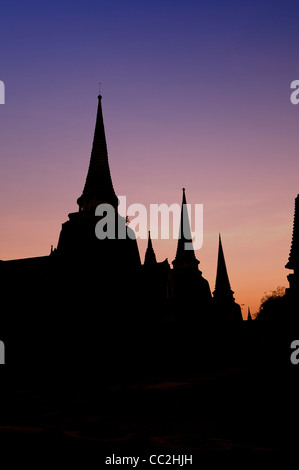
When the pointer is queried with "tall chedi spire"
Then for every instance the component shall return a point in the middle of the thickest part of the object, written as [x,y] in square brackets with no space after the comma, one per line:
[293,262]
[228,311]
[98,187]
[78,238]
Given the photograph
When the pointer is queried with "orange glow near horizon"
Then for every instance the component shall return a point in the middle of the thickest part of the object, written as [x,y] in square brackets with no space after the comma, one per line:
[248,246]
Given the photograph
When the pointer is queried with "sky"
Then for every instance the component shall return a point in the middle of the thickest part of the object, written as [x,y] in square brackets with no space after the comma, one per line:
[196,94]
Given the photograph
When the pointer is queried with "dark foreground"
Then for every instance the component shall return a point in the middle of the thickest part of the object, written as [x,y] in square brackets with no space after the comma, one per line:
[246,405]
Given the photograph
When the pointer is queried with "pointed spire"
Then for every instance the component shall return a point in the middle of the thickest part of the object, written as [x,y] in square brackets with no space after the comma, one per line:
[293,261]
[222,286]
[150,257]
[185,257]
[98,186]
[249,317]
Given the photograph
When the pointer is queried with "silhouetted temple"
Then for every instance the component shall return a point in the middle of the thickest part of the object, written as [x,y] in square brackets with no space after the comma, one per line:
[70,295]
[140,359]
[79,292]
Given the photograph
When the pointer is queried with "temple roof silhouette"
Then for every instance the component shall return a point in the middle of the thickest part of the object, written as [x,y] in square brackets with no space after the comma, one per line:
[98,187]
[293,261]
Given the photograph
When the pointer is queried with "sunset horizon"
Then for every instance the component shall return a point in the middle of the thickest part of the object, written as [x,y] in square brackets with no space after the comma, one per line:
[249,285]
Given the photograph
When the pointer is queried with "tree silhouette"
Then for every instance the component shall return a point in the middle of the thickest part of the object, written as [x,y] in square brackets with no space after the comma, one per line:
[272,305]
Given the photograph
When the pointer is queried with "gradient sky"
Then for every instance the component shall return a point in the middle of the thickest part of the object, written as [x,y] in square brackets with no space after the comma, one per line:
[195,94]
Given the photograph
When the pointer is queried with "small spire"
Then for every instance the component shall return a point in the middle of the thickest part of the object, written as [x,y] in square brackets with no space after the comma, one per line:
[222,285]
[249,317]
[150,257]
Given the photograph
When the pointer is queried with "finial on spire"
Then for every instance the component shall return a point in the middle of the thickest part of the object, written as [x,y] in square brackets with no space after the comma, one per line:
[100,91]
